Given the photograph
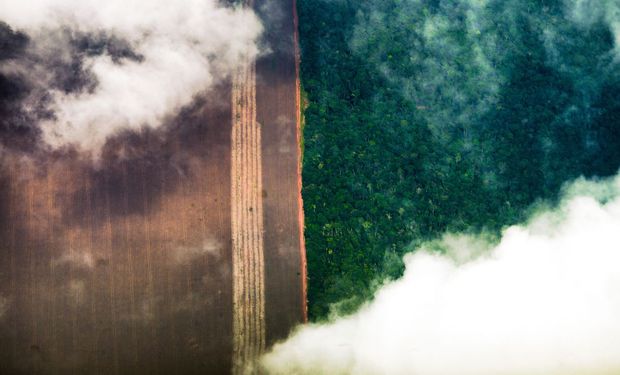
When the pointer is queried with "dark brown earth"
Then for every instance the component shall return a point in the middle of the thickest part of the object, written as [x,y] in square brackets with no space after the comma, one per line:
[124,266]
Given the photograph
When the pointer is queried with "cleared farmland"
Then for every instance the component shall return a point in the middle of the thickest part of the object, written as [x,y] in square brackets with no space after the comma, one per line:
[183,256]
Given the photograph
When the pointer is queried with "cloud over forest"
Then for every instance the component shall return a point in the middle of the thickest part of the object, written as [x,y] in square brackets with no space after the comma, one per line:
[544,300]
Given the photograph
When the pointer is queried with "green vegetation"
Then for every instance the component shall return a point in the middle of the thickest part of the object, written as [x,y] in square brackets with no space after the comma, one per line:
[426,116]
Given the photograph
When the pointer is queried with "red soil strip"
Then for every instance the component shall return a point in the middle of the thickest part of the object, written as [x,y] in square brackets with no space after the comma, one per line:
[302,241]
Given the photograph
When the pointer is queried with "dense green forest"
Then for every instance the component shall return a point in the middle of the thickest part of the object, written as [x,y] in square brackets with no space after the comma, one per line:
[427,116]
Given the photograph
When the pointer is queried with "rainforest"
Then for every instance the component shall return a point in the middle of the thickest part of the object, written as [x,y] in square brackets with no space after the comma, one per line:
[427,116]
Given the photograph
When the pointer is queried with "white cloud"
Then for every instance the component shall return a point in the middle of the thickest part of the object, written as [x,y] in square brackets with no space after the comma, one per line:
[187,47]
[545,300]
[187,254]
[75,258]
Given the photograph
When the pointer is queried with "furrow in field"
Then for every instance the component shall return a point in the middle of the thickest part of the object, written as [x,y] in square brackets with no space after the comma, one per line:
[246,222]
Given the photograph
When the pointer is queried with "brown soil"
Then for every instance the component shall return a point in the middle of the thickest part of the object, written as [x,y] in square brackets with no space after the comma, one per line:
[126,267]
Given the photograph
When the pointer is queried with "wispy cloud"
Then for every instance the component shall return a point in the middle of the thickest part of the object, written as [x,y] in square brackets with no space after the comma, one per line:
[76,259]
[186,254]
